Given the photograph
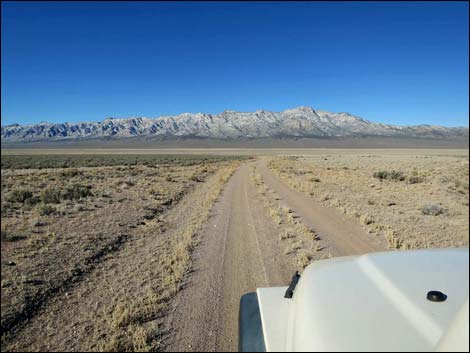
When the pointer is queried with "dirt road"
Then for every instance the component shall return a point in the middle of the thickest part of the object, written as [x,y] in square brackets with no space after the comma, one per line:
[240,250]
[343,236]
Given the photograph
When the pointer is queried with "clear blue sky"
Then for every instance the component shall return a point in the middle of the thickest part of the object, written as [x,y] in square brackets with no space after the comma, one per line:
[401,63]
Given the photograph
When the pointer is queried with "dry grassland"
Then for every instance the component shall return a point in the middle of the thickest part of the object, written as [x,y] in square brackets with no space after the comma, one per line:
[96,247]
[61,226]
[414,201]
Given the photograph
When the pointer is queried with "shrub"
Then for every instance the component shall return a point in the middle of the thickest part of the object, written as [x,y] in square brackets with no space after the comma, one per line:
[389,175]
[129,182]
[32,201]
[21,195]
[76,192]
[79,208]
[71,173]
[51,196]
[46,210]
[37,223]
[445,179]
[6,207]
[11,237]
[195,178]
[414,179]
[432,210]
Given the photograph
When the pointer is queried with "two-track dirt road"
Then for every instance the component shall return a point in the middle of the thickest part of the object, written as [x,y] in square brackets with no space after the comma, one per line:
[240,250]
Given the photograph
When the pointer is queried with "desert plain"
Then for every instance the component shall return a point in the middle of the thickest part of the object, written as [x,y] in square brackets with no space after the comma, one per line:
[146,249]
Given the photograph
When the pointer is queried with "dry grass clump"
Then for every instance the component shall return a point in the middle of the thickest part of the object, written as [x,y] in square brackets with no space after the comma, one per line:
[297,245]
[134,338]
[287,234]
[366,219]
[196,178]
[292,229]
[316,247]
[291,218]
[398,243]
[140,339]
[326,196]
[394,241]
[274,212]
[287,210]
[304,259]
[307,231]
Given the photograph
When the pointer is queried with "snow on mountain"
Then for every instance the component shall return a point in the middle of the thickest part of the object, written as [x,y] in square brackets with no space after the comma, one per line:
[296,122]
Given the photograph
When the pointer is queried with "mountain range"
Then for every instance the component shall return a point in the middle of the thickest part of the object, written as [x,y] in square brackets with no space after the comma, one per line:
[300,122]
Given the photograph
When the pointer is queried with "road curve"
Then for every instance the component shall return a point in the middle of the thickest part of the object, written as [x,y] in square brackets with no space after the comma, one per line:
[343,236]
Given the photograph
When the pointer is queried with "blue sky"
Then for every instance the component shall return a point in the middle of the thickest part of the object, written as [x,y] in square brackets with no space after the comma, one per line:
[401,63]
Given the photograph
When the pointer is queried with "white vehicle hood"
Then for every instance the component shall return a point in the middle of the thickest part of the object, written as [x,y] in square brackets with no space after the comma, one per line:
[374,302]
